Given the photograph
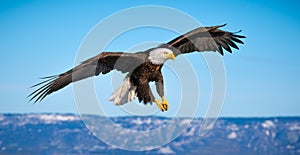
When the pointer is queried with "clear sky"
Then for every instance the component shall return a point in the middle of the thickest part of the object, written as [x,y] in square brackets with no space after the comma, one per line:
[41,38]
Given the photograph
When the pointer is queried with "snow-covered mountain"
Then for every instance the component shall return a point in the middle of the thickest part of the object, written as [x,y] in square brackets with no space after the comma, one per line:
[67,134]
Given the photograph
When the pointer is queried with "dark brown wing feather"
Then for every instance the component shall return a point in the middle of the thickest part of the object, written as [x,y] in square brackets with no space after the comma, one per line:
[205,39]
[102,63]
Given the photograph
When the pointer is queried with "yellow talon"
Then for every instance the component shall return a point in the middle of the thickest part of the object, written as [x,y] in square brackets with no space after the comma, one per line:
[160,105]
[165,103]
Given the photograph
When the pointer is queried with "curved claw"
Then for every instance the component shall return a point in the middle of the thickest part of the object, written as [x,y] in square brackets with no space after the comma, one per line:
[160,105]
[165,103]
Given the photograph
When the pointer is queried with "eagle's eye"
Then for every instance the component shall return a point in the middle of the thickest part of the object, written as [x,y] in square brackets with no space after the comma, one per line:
[165,53]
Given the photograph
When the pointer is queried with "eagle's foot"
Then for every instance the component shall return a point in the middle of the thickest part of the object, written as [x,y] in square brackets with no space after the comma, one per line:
[160,105]
[165,103]
[163,106]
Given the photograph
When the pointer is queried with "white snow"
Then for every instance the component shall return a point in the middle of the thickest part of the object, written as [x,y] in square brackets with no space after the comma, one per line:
[267,132]
[166,150]
[273,134]
[185,121]
[294,127]
[249,145]
[148,121]
[54,118]
[232,135]
[190,132]
[96,148]
[268,124]
[233,127]
[290,147]
[137,121]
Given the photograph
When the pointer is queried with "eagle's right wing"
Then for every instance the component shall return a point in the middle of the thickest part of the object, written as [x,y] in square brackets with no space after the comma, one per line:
[102,63]
[205,39]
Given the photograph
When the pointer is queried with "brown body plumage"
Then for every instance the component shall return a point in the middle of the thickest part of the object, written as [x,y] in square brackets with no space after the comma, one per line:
[142,75]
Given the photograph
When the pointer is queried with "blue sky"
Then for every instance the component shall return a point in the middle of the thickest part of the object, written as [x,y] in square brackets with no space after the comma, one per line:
[41,38]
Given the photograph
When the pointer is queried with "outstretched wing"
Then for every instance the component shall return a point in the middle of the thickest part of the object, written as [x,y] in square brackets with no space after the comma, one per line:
[102,63]
[205,39]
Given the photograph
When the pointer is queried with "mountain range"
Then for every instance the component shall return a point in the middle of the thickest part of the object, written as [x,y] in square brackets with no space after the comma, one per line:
[69,134]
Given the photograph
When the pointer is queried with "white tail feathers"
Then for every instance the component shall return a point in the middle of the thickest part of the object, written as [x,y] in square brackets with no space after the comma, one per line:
[124,94]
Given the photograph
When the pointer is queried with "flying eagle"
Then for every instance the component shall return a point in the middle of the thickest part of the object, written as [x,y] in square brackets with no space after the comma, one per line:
[141,67]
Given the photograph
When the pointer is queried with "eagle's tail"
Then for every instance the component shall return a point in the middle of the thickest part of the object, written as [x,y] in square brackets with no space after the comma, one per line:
[124,94]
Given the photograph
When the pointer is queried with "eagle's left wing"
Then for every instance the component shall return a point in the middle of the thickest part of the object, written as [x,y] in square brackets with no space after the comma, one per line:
[101,63]
[205,39]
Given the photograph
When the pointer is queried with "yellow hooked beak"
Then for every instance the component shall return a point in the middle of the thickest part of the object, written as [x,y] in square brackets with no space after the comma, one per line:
[171,56]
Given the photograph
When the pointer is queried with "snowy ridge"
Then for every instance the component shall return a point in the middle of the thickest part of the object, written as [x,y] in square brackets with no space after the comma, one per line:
[66,134]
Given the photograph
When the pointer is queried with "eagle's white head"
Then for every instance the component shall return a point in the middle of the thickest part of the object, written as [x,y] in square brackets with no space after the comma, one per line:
[159,55]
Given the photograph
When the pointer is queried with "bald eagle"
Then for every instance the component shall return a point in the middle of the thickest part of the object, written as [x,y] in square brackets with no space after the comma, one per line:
[141,67]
